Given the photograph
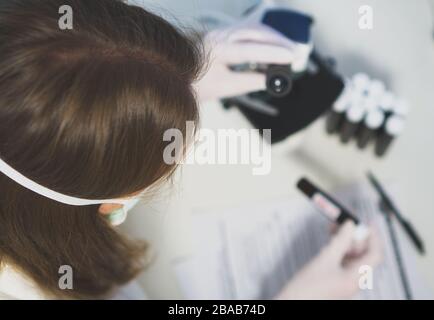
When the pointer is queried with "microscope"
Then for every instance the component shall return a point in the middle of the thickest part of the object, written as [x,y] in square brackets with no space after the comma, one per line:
[294,97]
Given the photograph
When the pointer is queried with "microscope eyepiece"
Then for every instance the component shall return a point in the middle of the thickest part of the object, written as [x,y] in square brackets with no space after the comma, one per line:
[279,81]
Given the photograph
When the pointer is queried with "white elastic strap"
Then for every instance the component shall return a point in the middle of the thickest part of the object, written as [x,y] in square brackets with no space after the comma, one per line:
[51,194]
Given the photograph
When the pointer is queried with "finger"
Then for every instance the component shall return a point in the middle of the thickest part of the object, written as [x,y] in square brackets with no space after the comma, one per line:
[333,228]
[247,82]
[267,35]
[342,242]
[373,254]
[371,259]
[261,34]
[230,83]
[236,53]
[360,243]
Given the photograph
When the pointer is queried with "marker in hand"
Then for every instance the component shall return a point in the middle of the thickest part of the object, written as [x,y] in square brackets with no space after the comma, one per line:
[332,209]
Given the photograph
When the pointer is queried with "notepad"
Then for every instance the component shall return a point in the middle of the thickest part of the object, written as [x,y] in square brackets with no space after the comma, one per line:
[251,252]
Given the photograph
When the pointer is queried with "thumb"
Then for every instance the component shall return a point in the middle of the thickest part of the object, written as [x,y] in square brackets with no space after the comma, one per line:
[342,242]
[240,52]
[261,33]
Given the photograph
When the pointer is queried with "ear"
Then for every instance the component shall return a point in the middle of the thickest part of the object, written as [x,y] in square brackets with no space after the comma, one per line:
[107,208]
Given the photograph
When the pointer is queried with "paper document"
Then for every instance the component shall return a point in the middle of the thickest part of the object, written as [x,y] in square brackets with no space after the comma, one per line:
[252,252]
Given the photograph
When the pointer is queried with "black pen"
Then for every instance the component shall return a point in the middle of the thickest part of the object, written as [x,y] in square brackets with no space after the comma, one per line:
[389,206]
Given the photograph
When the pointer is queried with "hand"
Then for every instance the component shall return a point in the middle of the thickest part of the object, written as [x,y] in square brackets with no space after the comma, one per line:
[256,44]
[334,273]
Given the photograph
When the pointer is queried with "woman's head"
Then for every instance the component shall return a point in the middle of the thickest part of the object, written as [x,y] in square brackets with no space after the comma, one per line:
[83,112]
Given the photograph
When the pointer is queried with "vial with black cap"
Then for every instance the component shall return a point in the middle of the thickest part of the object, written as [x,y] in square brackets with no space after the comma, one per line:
[370,127]
[387,102]
[354,116]
[393,128]
[337,113]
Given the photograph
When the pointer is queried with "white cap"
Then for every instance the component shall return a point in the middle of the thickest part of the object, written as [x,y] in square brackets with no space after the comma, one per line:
[361,233]
[376,88]
[387,101]
[370,103]
[343,101]
[360,81]
[355,113]
[374,119]
[401,108]
[395,125]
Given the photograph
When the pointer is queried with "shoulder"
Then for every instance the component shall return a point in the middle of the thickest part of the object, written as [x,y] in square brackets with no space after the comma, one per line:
[16,286]
[130,291]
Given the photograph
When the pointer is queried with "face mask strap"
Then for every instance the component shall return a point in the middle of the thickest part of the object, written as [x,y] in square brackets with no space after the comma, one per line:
[51,194]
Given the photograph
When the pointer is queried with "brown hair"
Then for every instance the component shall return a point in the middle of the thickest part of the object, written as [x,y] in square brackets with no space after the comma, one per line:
[83,112]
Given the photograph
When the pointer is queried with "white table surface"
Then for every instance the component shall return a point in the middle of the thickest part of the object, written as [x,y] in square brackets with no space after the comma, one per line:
[399,50]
